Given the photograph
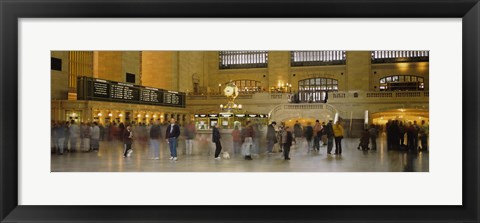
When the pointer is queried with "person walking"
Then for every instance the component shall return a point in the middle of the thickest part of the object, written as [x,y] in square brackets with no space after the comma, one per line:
[271,137]
[237,140]
[247,135]
[338,134]
[60,135]
[298,133]
[95,140]
[172,133]
[216,139]
[423,132]
[373,136]
[74,135]
[308,134]
[190,134]
[127,141]
[287,142]
[317,129]
[154,140]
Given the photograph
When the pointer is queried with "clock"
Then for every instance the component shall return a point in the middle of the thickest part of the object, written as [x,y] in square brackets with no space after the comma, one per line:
[231,91]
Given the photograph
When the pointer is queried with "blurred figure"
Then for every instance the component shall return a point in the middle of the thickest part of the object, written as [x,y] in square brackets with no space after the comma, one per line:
[74,135]
[247,136]
[60,135]
[271,137]
[127,141]
[423,132]
[401,134]
[297,133]
[190,134]
[308,134]
[95,140]
[287,142]
[237,140]
[172,134]
[85,137]
[324,137]
[67,135]
[216,139]
[317,135]
[154,140]
[329,133]
[373,132]
[364,140]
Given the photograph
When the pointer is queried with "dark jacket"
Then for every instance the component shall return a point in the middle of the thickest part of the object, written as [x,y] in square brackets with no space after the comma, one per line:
[155,132]
[308,133]
[175,132]
[288,141]
[297,130]
[216,135]
[271,133]
[127,136]
[329,130]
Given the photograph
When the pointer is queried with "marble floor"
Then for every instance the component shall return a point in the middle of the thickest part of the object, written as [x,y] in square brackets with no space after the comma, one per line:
[109,159]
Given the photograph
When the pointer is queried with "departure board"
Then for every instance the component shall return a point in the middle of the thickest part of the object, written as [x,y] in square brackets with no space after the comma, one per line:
[105,90]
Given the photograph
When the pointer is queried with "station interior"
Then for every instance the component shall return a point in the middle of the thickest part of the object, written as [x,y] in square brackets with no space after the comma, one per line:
[358,90]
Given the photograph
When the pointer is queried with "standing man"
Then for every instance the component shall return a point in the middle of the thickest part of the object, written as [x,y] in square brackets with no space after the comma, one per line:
[154,137]
[172,133]
[190,133]
[328,130]
[338,133]
[216,139]
[271,137]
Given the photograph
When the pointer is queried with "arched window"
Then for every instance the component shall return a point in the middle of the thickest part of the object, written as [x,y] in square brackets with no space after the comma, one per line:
[396,56]
[315,89]
[248,86]
[402,83]
[243,59]
[317,58]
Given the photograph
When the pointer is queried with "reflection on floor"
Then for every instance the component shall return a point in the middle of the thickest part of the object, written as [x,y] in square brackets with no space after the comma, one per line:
[109,159]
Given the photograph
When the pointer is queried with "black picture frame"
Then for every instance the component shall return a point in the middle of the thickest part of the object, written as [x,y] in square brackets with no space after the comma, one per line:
[11,11]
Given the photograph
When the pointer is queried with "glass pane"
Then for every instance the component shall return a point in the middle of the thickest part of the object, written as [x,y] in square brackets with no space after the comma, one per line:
[329,81]
[407,78]
[420,79]
[389,79]
[317,81]
[323,81]
[414,79]
[312,81]
[382,81]
[395,78]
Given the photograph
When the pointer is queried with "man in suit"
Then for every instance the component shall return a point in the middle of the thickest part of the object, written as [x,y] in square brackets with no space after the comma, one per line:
[172,133]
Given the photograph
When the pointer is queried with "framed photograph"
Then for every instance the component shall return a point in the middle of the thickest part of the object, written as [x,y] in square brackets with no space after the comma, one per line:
[395,83]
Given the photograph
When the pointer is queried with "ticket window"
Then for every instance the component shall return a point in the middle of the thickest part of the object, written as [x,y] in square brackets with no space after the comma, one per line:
[73,115]
[213,122]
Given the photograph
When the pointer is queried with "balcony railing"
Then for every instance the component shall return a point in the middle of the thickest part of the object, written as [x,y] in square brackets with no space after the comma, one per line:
[333,96]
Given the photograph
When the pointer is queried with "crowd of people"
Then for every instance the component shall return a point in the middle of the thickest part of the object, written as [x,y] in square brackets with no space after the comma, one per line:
[397,131]
[73,137]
